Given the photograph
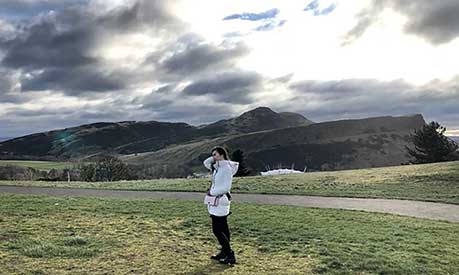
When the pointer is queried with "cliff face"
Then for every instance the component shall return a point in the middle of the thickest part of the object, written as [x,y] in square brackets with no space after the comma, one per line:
[336,145]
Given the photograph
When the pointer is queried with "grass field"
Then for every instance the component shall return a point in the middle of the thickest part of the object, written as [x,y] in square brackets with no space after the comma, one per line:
[40,165]
[47,235]
[429,182]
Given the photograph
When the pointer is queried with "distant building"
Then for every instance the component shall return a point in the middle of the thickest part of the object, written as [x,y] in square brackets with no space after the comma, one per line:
[280,172]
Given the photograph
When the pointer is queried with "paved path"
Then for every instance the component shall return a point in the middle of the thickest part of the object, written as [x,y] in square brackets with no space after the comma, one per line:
[419,209]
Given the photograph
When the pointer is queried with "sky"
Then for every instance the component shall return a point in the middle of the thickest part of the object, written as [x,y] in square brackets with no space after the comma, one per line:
[65,63]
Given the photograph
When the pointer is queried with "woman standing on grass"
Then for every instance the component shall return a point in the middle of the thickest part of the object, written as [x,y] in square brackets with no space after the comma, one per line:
[223,169]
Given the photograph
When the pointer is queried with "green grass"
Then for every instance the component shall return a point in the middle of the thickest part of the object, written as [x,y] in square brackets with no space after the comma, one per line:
[48,235]
[69,247]
[39,165]
[429,182]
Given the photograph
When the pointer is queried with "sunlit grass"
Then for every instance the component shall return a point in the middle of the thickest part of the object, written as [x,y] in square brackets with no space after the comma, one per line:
[47,235]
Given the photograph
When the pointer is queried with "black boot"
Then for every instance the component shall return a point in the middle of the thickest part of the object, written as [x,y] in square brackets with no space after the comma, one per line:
[229,258]
[220,255]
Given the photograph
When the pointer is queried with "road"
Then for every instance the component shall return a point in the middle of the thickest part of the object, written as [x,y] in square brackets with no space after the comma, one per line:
[419,209]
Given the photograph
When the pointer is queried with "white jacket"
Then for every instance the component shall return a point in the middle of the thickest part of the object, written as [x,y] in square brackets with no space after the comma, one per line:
[222,179]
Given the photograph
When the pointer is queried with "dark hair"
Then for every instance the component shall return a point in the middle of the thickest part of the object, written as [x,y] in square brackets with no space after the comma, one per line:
[222,151]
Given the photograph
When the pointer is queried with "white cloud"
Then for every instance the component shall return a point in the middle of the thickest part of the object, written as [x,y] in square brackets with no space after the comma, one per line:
[311,47]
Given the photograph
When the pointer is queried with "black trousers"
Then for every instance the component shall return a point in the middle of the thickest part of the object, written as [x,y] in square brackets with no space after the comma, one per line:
[221,231]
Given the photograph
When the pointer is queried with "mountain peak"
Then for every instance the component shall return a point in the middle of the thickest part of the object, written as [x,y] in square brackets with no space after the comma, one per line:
[258,112]
[261,109]
[258,119]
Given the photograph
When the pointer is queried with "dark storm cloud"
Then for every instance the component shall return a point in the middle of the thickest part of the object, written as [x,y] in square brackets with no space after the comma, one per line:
[8,91]
[435,21]
[327,100]
[167,103]
[24,125]
[13,97]
[197,113]
[159,99]
[55,50]
[208,100]
[202,57]
[150,16]
[58,52]
[77,80]
[162,104]
[229,87]
[189,56]
[40,112]
[349,87]
[41,46]
[6,84]
[20,121]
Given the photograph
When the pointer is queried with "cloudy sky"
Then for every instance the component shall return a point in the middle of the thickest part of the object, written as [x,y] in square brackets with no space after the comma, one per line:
[69,62]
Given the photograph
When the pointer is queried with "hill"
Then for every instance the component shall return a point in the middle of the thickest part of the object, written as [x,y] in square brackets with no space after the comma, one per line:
[259,119]
[4,138]
[334,145]
[128,137]
[268,139]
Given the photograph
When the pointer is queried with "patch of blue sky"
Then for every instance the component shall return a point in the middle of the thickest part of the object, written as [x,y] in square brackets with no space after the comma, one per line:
[11,9]
[253,16]
[314,6]
[325,11]
[270,26]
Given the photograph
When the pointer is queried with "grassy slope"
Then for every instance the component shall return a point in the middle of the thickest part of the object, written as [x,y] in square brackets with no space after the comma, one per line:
[429,182]
[45,235]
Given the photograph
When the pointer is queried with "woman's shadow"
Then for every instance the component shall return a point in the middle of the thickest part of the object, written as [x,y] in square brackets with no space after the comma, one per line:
[212,267]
